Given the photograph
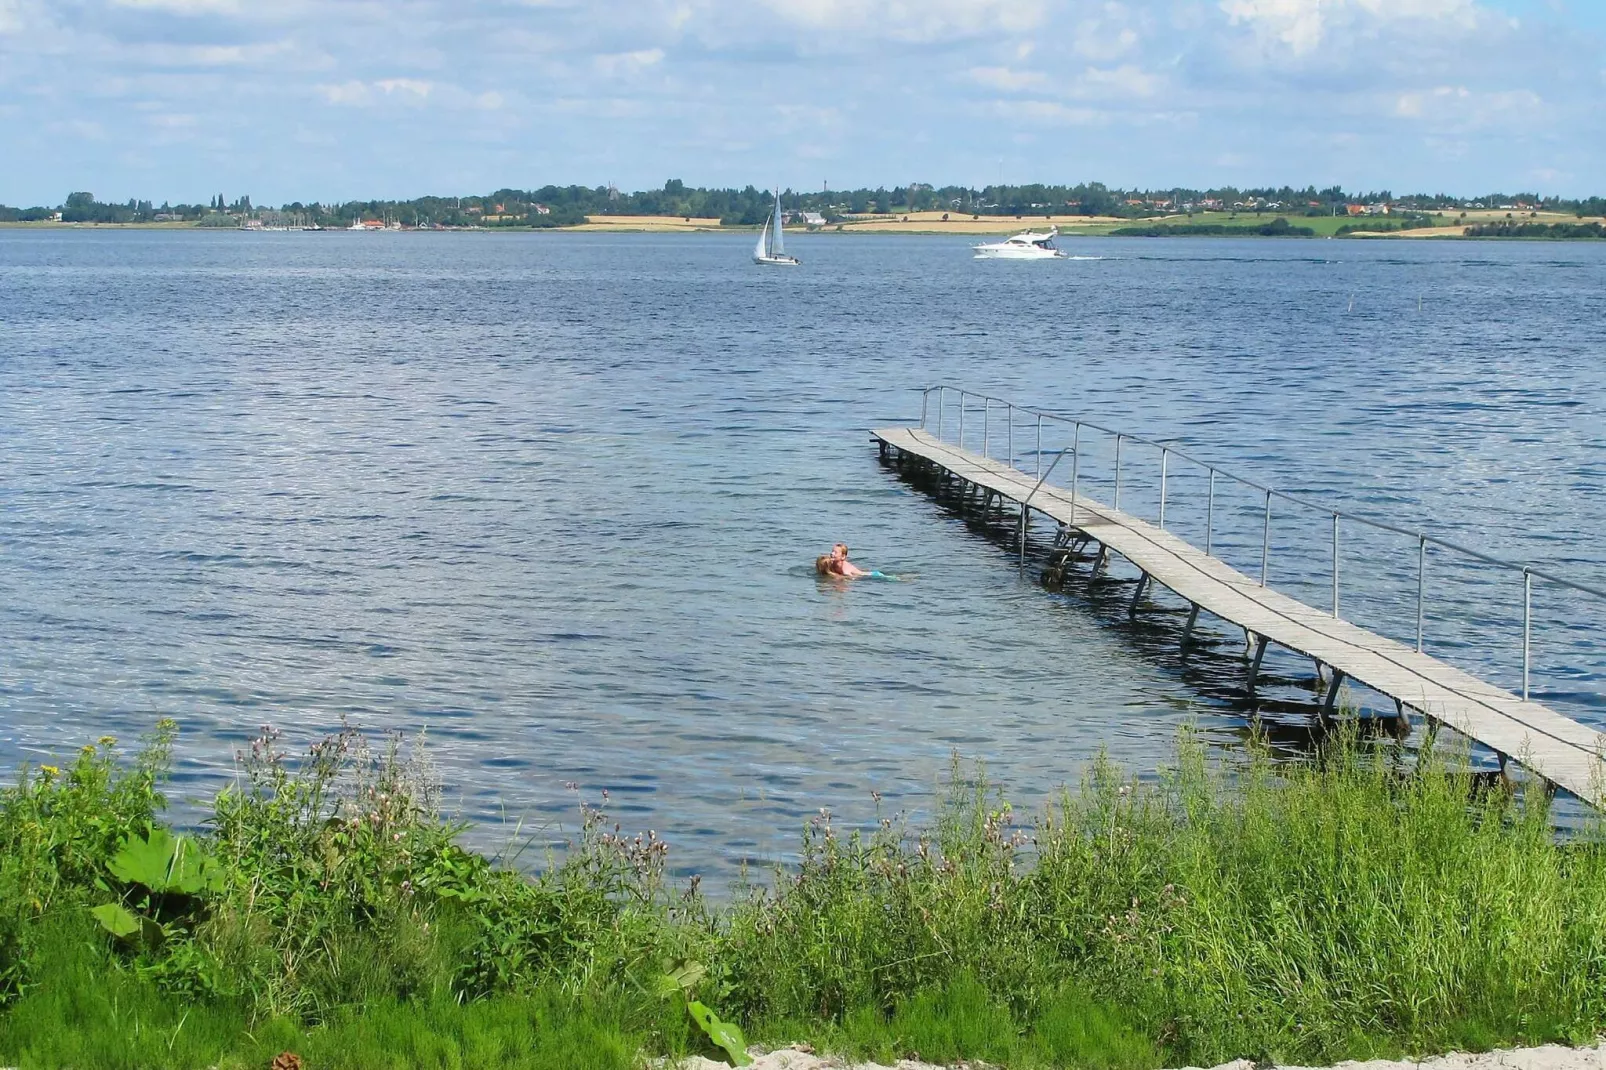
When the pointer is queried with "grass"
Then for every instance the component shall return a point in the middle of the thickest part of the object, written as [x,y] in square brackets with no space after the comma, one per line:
[1368,903]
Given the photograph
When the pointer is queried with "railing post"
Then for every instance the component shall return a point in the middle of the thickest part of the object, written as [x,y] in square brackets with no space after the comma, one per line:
[1527,625]
[1210,514]
[1009,434]
[1421,584]
[1076,467]
[1118,469]
[1265,540]
[986,409]
[1335,564]
[1039,445]
[942,403]
[961,419]
[925,396]
[1165,458]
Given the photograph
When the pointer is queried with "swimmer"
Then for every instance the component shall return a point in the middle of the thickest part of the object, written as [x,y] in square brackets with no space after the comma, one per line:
[836,563]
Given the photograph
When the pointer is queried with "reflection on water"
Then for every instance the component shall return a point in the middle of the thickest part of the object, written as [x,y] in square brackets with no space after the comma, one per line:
[555,498]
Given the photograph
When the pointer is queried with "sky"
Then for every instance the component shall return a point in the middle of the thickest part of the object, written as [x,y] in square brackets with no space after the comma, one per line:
[335,99]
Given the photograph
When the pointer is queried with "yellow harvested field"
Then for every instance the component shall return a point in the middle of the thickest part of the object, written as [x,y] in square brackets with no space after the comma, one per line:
[646,222]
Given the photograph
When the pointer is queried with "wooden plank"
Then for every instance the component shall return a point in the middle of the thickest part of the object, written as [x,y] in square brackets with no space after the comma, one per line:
[1561,750]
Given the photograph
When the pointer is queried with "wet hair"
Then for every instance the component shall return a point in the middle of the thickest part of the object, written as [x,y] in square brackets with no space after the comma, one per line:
[822,564]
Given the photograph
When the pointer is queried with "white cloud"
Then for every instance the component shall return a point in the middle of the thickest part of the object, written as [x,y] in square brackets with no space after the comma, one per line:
[912,20]
[346,93]
[625,64]
[1300,25]
[1005,79]
[404,87]
[1126,80]
[181,7]
[1107,35]
[1469,108]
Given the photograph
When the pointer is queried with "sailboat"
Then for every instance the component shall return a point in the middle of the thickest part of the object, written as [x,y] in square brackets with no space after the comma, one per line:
[770,249]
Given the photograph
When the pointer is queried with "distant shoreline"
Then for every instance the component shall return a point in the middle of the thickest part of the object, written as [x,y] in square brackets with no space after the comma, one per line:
[932,223]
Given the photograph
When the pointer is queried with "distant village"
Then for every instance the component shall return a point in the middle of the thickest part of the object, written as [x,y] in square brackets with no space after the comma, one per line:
[559,206]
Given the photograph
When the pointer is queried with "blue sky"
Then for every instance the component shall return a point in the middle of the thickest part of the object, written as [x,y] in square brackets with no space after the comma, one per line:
[330,99]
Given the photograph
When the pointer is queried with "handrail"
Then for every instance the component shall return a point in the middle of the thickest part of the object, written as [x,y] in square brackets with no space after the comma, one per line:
[1169,449]
[1294,499]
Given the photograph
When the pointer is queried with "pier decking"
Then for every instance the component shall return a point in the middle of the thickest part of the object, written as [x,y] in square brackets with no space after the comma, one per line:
[1562,751]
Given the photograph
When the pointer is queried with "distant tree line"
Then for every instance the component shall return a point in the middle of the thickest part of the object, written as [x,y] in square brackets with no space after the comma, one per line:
[1277,228]
[1507,228]
[556,206]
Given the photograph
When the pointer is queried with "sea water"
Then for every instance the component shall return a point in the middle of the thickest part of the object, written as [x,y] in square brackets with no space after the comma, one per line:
[554,499]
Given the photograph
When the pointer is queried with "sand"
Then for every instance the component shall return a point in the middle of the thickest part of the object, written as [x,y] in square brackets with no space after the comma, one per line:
[1548,1057]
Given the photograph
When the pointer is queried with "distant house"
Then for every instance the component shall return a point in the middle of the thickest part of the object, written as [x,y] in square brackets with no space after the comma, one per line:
[1355,209]
[542,209]
[808,219]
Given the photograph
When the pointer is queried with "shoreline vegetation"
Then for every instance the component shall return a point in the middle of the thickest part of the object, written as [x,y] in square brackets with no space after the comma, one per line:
[1089,208]
[1367,902]
[1468,226]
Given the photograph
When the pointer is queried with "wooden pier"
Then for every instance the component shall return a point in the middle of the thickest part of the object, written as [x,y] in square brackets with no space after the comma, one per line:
[1561,751]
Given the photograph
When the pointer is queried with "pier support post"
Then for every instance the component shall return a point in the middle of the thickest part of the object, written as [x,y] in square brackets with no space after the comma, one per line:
[1254,666]
[1402,722]
[1137,594]
[1332,697]
[1187,629]
[1100,561]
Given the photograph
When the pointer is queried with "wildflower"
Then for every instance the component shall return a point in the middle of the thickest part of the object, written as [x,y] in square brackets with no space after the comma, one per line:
[107,741]
[49,771]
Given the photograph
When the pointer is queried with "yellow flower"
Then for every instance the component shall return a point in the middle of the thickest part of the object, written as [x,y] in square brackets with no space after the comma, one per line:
[87,748]
[49,771]
[108,741]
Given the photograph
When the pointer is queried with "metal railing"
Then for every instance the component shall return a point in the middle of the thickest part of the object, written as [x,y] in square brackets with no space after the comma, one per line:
[1167,451]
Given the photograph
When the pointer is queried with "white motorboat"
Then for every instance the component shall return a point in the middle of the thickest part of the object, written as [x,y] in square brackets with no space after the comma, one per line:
[1024,246]
[770,249]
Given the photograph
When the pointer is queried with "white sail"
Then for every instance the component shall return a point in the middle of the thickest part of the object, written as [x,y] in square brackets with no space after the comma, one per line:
[763,236]
[776,246]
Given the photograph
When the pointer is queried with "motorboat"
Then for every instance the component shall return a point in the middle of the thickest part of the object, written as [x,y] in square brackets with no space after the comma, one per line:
[770,248]
[1028,245]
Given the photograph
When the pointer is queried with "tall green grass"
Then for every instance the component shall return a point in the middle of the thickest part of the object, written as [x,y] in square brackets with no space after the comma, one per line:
[1366,903]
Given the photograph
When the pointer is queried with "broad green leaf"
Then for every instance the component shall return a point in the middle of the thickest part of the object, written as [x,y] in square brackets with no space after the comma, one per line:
[681,979]
[164,863]
[726,1036]
[116,919]
[193,871]
[144,859]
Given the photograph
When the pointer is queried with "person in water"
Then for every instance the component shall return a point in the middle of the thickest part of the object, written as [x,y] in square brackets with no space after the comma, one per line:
[836,563]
